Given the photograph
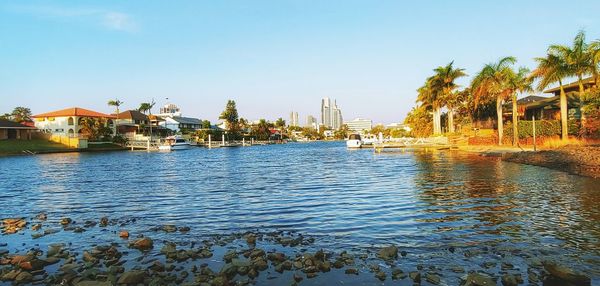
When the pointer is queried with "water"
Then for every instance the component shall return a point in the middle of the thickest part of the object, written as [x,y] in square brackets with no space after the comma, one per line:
[424,202]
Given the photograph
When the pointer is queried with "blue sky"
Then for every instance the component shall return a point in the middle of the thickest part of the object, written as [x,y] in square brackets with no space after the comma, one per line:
[272,57]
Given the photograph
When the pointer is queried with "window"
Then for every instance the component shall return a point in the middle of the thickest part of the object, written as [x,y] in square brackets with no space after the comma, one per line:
[71,132]
[70,121]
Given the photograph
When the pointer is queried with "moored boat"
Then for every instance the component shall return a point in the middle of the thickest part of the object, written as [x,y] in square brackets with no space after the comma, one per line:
[174,143]
[354,141]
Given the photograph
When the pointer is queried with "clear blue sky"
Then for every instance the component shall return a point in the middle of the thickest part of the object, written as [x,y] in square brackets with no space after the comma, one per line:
[270,56]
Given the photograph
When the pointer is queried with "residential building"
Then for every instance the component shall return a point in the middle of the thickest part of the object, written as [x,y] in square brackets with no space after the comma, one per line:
[331,114]
[178,123]
[360,125]
[14,130]
[311,121]
[293,119]
[131,122]
[68,122]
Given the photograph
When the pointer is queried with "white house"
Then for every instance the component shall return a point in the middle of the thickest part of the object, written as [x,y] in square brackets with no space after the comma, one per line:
[67,122]
[177,123]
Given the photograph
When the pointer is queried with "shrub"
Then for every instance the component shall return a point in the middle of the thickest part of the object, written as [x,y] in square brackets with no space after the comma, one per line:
[543,128]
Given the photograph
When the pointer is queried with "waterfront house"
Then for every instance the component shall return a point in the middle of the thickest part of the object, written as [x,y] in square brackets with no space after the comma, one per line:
[179,123]
[14,130]
[68,122]
[132,122]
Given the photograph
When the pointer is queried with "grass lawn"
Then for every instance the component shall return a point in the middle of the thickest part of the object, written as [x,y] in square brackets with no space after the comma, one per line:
[17,146]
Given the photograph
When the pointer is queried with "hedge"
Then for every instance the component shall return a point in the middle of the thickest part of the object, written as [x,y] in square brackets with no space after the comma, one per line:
[542,128]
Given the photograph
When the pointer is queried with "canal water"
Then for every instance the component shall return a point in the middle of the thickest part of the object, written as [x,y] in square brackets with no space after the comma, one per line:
[438,206]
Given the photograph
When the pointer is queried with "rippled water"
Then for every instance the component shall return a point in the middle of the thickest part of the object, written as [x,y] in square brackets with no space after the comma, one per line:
[422,201]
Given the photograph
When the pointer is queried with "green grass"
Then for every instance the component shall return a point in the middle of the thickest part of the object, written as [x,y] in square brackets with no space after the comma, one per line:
[35,145]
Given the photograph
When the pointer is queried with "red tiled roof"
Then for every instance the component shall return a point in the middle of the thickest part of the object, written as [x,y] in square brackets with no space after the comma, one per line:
[75,111]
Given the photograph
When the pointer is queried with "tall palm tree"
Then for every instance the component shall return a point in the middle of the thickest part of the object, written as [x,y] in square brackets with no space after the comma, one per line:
[491,83]
[577,57]
[430,101]
[518,82]
[116,103]
[550,70]
[594,51]
[446,77]
[147,107]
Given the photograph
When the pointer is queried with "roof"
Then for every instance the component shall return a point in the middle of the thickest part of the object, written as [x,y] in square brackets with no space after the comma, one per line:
[572,86]
[529,99]
[7,124]
[74,111]
[187,120]
[133,114]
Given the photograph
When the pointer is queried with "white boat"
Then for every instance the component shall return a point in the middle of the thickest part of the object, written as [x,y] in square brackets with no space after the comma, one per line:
[174,143]
[354,141]
[369,139]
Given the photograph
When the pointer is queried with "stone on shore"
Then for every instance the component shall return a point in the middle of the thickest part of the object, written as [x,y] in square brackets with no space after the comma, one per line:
[388,253]
[565,274]
[124,234]
[478,279]
[132,277]
[144,243]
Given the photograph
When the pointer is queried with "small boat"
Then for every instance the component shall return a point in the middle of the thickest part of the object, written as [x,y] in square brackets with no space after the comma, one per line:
[174,143]
[354,141]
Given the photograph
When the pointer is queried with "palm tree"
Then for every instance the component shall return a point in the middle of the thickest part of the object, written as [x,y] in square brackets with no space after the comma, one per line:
[491,83]
[577,57]
[429,101]
[116,103]
[550,70]
[147,107]
[446,77]
[519,82]
[594,51]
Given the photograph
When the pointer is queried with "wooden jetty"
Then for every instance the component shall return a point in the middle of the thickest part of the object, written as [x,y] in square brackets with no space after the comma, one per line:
[412,143]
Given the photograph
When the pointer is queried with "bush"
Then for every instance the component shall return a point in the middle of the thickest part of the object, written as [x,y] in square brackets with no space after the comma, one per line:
[119,139]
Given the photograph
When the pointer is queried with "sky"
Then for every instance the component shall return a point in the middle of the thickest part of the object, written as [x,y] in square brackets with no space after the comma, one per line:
[271,57]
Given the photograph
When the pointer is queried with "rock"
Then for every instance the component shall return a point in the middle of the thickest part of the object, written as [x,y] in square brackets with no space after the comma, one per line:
[325,266]
[93,283]
[124,234]
[41,216]
[143,244]
[566,274]
[103,221]
[297,277]
[397,274]
[132,277]
[415,276]
[251,239]
[228,270]
[351,271]
[311,275]
[169,228]
[13,225]
[23,277]
[230,255]
[11,275]
[380,275]
[478,279]
[36,227]
[3,252]
[432,278]
[65,221]
[388,253]
[509,280]
[260,264]
[184,229]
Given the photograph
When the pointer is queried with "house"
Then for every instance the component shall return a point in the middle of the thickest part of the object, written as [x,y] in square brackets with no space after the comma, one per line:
[68,122]
[131,122]
[178,123]
[14,130]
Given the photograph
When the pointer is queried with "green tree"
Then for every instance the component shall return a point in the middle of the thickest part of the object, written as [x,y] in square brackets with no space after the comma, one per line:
[21,114]
[261,130]
[341,133]
[6,116]
[492,83]
[444,81]
[280,123]
[116,103]
[419,121]
[578,58]
[205,124]
[594,51]
[518,83]
[550,70]
[230,115]
[147,107]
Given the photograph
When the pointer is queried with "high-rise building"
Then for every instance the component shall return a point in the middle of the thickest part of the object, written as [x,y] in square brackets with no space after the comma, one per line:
[360,125]
[311,121]
[331,114]
[294,119]
[169,110]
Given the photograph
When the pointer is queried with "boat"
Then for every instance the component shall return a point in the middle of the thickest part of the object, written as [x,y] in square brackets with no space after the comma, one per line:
[369,139]
[354,141]
[174,143]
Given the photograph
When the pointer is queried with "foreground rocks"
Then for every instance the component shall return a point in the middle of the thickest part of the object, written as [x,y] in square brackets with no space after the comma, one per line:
[166,255]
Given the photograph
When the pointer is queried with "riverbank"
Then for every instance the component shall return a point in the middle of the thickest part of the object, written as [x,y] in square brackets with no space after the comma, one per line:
[167,255]
[40,146]
[579,160]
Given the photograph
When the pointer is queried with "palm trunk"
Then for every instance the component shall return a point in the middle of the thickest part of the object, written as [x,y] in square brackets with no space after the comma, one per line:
[499,113]
[515,121]
[581,101]
[437,126]
[450,120]
[563,113]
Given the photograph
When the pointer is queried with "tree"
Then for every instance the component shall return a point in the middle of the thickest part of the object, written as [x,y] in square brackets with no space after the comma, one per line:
[205,124]
[261,130]
[594,51]
[341,133]
[230,115]
[419,121]
[21,114]
[6,116]
[552,69]
[445,78]
[116,103]
[492,83]
[147,107]
[94,128]
[280,123]
[518,83]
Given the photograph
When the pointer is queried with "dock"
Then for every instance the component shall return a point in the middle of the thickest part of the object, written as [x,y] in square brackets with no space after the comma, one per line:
[412,143]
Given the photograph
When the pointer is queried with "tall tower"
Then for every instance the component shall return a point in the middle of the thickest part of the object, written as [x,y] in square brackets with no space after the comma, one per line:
[326,112]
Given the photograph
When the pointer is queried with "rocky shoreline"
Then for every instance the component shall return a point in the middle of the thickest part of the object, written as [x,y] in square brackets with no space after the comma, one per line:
[249,258]
[578,160]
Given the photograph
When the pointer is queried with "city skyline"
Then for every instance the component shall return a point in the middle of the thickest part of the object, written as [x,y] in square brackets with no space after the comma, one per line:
[268,58]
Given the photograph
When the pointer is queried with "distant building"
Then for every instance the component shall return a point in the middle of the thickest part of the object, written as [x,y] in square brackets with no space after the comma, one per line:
[68,122]
[331,114]
[169,110]
[398,125]
[311,121]
[178,123]
[360,125]
[132,122]
[294,119]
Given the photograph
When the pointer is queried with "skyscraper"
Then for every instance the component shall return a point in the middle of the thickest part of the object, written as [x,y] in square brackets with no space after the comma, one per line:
[294,119]
[311,121]
[331,114]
